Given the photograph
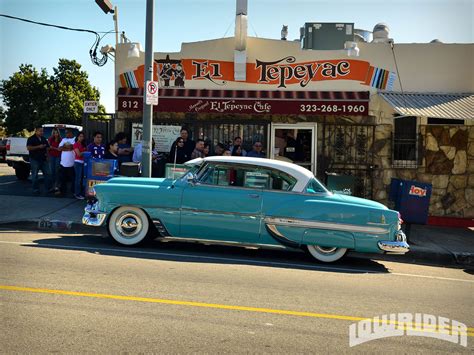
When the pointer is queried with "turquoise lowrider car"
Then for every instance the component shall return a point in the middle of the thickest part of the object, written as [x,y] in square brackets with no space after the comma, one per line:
[246,202]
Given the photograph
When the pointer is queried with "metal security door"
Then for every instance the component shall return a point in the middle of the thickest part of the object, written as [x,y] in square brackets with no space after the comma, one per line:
[295,143]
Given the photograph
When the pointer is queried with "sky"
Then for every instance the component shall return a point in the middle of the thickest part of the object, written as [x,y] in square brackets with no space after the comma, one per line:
[178,21]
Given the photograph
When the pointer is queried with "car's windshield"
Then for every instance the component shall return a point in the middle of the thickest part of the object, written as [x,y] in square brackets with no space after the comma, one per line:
[192,169]
[315,187]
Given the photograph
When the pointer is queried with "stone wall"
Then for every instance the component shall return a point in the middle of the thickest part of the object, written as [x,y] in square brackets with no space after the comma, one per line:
[447,163]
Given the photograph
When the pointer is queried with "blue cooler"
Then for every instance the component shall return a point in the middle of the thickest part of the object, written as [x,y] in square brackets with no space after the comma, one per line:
[97,171]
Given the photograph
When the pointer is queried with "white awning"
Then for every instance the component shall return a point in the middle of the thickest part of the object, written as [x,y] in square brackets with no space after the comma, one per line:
[436,105]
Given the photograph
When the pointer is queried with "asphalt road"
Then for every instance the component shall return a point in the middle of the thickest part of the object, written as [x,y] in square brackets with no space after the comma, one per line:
[81,293]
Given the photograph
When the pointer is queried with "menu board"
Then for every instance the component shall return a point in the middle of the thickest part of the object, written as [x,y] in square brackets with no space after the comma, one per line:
[164,136]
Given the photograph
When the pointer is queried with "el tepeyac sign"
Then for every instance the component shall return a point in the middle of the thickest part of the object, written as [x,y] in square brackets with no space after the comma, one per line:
[280,74]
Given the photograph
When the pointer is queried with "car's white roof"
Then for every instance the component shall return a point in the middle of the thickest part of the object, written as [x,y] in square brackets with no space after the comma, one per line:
[301,174]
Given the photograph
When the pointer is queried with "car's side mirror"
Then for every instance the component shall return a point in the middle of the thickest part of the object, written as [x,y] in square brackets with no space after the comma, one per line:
[191,178]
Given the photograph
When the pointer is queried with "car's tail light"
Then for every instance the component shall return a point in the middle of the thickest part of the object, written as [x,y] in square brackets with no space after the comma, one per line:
[8,145]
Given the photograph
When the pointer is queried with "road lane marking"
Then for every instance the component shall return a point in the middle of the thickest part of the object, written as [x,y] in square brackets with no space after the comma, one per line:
[470,330]
[7,183]
[249,261]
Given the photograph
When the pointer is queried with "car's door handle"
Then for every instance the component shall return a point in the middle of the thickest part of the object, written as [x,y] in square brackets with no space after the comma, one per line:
[254,195]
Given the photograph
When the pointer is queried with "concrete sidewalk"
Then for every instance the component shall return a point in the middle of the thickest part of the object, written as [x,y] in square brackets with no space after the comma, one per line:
[429,245]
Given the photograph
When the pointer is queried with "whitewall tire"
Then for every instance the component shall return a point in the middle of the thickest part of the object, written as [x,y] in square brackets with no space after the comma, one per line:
[326,254]
[129,225]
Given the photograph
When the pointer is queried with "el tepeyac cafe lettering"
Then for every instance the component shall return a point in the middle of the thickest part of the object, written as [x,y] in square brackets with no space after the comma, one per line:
[304,73]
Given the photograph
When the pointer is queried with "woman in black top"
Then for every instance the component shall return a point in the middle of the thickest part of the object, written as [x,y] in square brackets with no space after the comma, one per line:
[111,150]
[178,152]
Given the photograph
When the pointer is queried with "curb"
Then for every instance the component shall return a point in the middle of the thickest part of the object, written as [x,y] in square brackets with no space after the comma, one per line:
[51,225]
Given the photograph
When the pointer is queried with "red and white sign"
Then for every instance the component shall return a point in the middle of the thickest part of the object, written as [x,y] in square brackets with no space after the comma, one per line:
[151,93]
[417,191]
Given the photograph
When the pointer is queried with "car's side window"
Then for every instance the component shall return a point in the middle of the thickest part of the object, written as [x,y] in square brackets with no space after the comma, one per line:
[278,180]
[315,187]
[238,176]
[246,176]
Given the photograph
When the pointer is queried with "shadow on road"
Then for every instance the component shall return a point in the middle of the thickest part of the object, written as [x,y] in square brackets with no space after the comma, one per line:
[199,253]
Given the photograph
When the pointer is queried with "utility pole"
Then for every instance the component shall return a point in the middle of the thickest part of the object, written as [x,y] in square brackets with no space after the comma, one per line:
[148,109]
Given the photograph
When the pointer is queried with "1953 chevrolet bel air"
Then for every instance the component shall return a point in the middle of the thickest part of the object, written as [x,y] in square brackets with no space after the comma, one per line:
[246,202]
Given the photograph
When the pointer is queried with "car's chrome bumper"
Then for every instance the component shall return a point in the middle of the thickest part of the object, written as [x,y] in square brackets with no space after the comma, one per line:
[399,246]
[92,216]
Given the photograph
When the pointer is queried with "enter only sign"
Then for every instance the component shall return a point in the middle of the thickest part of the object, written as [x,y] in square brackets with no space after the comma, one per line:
[151,93]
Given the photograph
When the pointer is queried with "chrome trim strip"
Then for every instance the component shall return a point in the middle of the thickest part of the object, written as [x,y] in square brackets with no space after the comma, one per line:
[379,224]
[222,242]
[220,212]
[275,233]
[324,225]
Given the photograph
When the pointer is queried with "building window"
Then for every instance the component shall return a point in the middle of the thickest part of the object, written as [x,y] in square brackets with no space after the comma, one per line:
[405,142]
[445,121]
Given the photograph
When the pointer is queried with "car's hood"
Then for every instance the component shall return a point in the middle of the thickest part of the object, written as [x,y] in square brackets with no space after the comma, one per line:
[358,201]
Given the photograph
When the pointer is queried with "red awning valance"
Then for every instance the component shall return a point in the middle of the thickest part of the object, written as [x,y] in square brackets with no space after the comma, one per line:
[250,101]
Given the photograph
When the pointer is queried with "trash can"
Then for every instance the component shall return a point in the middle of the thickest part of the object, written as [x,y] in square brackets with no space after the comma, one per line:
[412,199]
[130,169]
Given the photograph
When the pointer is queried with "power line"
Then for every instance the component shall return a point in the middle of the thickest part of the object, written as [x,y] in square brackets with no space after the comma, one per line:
[93,50]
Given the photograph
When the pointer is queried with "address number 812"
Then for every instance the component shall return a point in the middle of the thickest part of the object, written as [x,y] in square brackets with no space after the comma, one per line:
[130,104]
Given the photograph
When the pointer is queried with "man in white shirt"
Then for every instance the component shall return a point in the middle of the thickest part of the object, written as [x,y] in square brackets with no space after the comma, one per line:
[66,172]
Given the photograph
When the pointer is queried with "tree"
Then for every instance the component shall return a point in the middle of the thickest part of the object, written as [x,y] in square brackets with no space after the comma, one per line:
[27,96]
[33,98]
[71,87]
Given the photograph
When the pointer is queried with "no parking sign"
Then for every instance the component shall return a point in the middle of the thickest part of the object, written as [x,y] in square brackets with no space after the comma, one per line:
[151,93]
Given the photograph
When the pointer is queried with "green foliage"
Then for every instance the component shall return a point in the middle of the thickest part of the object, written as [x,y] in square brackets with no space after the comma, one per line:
[34,98]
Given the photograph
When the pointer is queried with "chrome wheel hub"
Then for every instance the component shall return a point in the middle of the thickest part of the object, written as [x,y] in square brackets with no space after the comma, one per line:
[129,225]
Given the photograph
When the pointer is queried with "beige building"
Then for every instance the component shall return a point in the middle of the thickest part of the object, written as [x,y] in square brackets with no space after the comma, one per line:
[393,110]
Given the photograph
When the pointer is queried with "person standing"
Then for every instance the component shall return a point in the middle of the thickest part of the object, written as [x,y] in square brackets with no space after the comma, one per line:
[198,150]
[54,156]
[112,151]
[125,151]
[67,162]
[238,141]
[206,150]
[256,152]
[219,149]
[178,153]
[37,147]
[96,148]
[236,151]
[79,148]
[189,144]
